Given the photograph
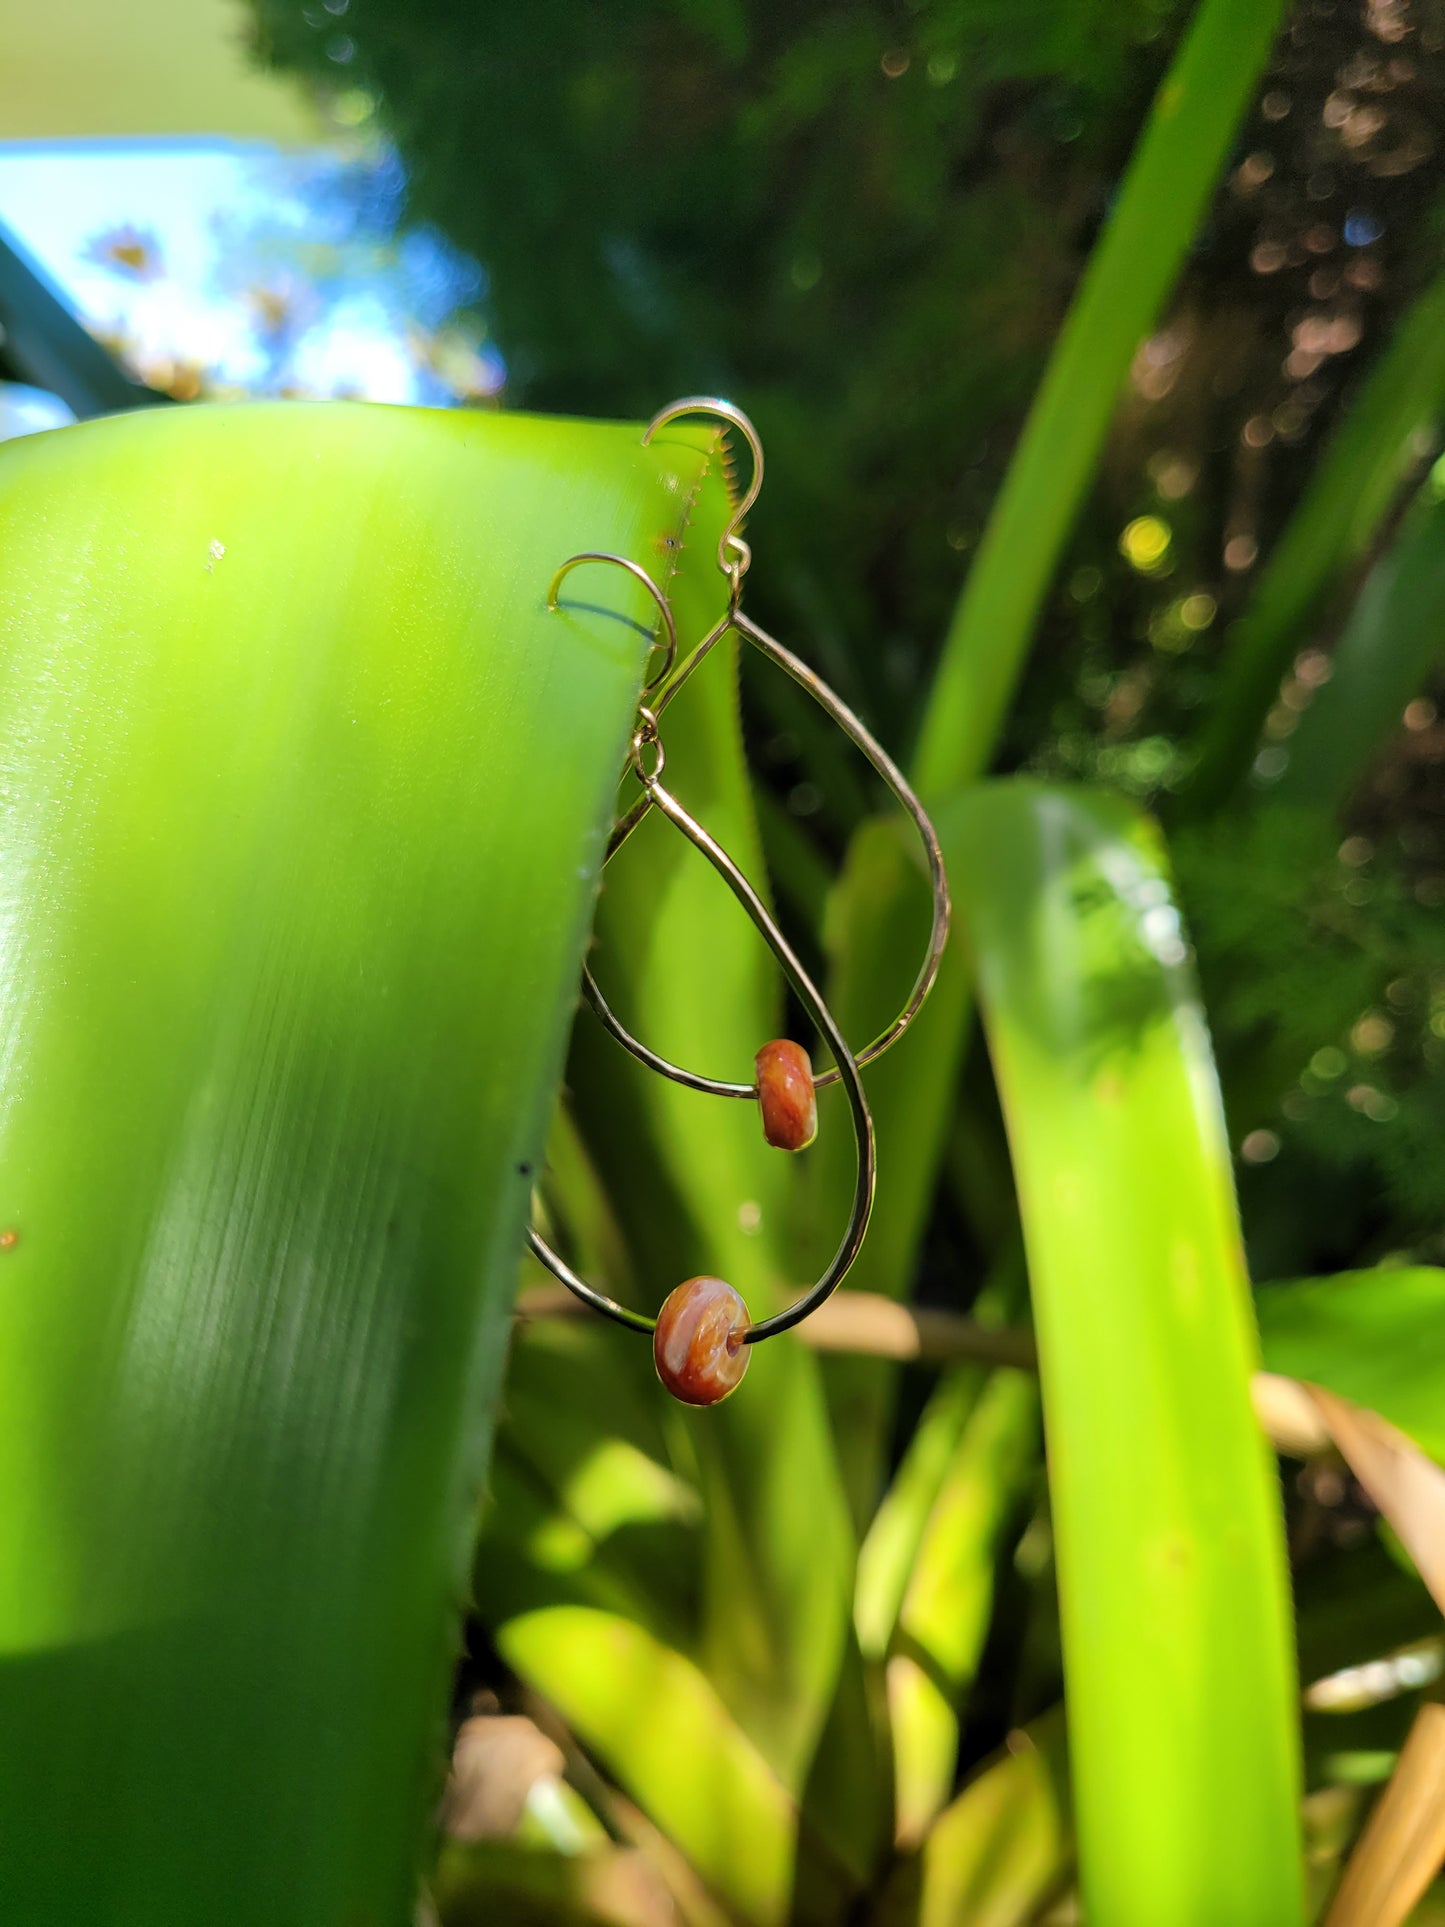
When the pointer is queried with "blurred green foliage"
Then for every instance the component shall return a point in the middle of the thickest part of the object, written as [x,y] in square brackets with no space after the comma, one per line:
[863,220]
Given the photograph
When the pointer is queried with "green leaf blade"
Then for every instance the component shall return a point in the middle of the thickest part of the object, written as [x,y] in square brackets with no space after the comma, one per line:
[1371,1336]
[1390,644]
[304,797]
[1172,1578]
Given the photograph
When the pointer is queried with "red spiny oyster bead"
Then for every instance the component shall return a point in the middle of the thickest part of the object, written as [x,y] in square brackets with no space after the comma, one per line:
[786,1096]
[698,1344]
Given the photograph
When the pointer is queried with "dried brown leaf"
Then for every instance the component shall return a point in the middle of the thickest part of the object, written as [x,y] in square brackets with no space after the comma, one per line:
[1403,1844]
[1407,1486]
[497,1760]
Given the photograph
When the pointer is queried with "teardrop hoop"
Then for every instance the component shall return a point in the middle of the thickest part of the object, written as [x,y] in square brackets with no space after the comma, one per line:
[812,1001]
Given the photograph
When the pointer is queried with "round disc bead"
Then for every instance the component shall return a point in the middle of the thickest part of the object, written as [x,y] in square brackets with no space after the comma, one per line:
[786,1096]
[698,1344]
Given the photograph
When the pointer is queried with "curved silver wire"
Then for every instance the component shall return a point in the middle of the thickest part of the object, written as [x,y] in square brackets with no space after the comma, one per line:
[637,1321]
[812,1001]
[639,574]
[898,783]
[628,822]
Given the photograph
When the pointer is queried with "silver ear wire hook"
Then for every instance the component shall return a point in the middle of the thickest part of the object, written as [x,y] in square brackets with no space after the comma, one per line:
[639,574]
[728,412]
[734,570]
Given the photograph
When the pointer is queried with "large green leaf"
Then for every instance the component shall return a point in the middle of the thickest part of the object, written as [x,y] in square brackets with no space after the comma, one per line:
[302,796]
[1165,1504]
[1372,1336]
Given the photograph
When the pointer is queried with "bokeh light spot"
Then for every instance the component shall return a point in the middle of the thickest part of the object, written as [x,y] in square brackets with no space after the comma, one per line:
[1144,543]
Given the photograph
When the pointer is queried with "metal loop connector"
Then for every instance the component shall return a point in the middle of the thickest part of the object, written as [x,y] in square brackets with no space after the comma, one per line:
[645,737]
[667,643]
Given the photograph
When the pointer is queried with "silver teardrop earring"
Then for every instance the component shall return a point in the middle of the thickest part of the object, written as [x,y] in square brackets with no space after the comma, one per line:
[701,1335]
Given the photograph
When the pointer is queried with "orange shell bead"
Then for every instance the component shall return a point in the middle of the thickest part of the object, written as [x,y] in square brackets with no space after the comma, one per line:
[698,1344]
[786,1097]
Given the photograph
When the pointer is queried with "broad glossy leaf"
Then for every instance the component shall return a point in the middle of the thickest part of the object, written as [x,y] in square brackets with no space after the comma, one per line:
[1165,1504]
[1372,1336]
[302,797]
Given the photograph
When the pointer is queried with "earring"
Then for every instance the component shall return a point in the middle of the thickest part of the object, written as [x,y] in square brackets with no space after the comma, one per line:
[701,1335]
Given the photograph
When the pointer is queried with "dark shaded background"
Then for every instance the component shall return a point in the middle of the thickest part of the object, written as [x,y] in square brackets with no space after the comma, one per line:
[865,223]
